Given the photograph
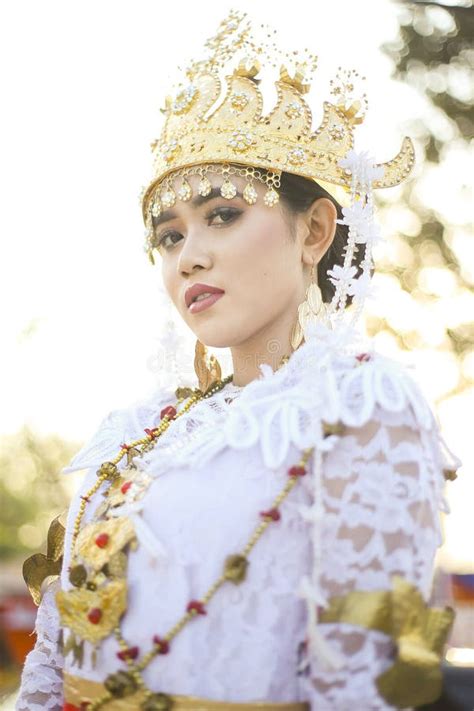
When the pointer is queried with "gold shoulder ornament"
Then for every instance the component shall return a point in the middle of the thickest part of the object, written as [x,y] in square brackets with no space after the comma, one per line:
[38,566]
[419,632]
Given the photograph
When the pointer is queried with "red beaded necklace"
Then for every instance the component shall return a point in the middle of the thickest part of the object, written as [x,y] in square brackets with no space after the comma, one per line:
[124,683]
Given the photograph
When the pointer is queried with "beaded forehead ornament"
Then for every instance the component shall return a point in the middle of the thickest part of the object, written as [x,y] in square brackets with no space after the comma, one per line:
[204,134]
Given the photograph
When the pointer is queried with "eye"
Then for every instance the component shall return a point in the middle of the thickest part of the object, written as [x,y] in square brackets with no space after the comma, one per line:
[161,241]
[226,214]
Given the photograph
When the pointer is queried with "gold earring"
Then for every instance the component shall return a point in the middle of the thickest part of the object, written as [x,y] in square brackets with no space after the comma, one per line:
[308,310]
[208,370]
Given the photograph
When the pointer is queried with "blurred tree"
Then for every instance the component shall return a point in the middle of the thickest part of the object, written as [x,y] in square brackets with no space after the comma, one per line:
[32,491]
[434,55]
[436,51]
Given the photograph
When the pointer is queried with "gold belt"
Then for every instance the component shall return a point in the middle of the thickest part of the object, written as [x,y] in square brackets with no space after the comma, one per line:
[78,690]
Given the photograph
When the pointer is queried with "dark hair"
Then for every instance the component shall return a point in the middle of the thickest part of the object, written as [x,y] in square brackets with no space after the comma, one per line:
[297,194]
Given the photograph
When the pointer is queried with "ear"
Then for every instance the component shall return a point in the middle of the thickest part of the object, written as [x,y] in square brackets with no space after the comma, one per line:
[318,229]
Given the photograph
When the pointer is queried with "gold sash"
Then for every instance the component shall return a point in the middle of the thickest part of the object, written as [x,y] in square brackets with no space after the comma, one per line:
[77,690]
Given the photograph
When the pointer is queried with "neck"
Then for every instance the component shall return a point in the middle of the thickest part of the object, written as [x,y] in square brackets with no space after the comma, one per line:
[270,347]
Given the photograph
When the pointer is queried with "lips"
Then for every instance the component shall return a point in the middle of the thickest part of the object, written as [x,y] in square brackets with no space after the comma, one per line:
[205,303]
[196,289]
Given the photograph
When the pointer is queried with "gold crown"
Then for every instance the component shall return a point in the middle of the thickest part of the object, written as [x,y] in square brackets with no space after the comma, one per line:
[236,132]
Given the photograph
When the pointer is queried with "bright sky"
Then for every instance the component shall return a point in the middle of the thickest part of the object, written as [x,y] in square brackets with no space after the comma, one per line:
[81,90]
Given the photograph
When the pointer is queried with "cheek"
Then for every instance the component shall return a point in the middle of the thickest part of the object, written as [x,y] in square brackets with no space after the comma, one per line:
[170,284]
[267,257]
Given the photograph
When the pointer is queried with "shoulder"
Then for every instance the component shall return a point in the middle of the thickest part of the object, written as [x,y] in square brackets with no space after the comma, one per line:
[369,383]
[379,395]
[118,426]
[351,380]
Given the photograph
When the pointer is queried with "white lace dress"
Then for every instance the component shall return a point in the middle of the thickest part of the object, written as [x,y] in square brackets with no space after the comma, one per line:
[367,509]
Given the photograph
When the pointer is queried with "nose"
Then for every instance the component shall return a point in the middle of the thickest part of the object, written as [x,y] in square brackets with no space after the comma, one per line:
[194,254]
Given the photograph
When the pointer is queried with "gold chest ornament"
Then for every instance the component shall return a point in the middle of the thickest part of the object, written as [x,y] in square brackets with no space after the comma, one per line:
[92,609]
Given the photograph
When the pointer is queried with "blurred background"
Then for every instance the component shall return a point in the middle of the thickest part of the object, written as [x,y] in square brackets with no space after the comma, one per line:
[85,317]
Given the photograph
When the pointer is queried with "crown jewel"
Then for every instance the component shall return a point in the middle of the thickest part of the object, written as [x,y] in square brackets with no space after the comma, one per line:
[198,129]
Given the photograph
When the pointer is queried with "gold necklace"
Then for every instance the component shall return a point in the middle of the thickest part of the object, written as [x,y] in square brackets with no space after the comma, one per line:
[125,683]
[109,470]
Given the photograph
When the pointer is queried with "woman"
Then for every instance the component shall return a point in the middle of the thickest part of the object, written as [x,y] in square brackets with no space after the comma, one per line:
[269,541]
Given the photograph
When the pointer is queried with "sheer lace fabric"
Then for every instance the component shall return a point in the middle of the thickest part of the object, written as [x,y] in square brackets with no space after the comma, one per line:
[367,509]
[42,677]
[381,493]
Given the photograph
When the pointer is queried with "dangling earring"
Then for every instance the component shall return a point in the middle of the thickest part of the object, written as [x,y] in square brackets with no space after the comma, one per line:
[208,371]
[308,310]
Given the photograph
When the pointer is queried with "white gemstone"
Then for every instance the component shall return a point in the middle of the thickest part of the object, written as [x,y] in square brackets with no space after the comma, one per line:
[228,190]
[250,194]
[240,140]
[156,209]
[293,110]
[239,101]
[297,156]
[168,198]
[168,150]
[271,197]
[205,186]
[184,99]
[185,192]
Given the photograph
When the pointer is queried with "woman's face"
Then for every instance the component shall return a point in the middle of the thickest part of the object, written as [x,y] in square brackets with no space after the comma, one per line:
[246,250]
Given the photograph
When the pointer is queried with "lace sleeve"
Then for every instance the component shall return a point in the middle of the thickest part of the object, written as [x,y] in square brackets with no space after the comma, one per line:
[382,486]
[41,680]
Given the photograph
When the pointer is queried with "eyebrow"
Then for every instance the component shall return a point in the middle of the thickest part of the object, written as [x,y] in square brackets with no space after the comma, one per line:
[195,202]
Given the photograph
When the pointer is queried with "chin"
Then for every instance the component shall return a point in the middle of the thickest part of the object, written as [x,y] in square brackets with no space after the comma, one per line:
[213,340]
[215,336]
